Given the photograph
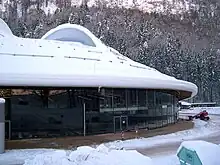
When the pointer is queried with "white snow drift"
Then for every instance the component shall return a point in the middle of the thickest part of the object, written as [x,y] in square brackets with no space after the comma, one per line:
[201,129]
[102,155]
[89,156]
[207,152]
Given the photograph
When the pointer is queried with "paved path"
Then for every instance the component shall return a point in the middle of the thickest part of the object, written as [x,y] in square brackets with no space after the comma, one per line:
[171,148]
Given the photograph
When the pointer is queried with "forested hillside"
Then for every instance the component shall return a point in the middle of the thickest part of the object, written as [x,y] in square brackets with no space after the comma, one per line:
[182,44]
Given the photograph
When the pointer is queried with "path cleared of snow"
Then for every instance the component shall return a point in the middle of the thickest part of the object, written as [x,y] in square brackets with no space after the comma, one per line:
[166,160]
[201,129]
[207,152]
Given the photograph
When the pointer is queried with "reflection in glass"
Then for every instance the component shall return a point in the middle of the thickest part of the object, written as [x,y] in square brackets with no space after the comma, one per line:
[60,111]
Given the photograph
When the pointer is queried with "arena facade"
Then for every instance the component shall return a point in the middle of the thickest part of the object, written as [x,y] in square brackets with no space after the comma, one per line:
[70,83]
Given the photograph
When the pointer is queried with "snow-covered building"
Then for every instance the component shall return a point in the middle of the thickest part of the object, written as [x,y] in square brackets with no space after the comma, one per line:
[69,82]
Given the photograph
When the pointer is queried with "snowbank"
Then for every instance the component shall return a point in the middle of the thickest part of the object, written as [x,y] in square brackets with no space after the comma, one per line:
[90,156]
[207,152]
[210,110]
[19,156]
[201,129]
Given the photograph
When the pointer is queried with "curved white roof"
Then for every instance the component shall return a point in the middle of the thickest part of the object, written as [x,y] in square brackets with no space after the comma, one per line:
[4,29]
[73,33]
[47,62]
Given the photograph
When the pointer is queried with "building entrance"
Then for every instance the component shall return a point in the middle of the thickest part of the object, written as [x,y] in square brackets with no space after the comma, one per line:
[120,123]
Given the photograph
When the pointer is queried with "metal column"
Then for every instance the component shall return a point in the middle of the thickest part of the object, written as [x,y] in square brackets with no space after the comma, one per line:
[84,118]
[2,125]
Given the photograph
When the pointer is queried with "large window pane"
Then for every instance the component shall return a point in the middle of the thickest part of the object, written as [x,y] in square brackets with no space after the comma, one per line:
[132,98]
[44,113]
[59,111]
[106,99]
[119,98]
[151,102]
[142,100]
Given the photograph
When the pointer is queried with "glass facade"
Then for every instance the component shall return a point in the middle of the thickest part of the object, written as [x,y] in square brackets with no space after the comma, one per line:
[56,112]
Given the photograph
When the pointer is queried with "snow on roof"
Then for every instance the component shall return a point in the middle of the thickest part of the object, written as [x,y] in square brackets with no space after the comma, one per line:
[84,61]
[73,33]
[2,100]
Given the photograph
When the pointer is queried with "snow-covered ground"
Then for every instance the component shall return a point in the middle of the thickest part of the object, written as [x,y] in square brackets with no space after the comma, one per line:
[201,129]
[90,156]
[172,159]
[17,157]
[207,152]
[82,156]
[183,114]
[166,160]
[103,155]
[210,110]
[112,153]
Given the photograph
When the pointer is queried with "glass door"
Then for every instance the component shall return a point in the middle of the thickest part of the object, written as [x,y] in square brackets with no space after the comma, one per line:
[117,123]
[124,123]
[120,123]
